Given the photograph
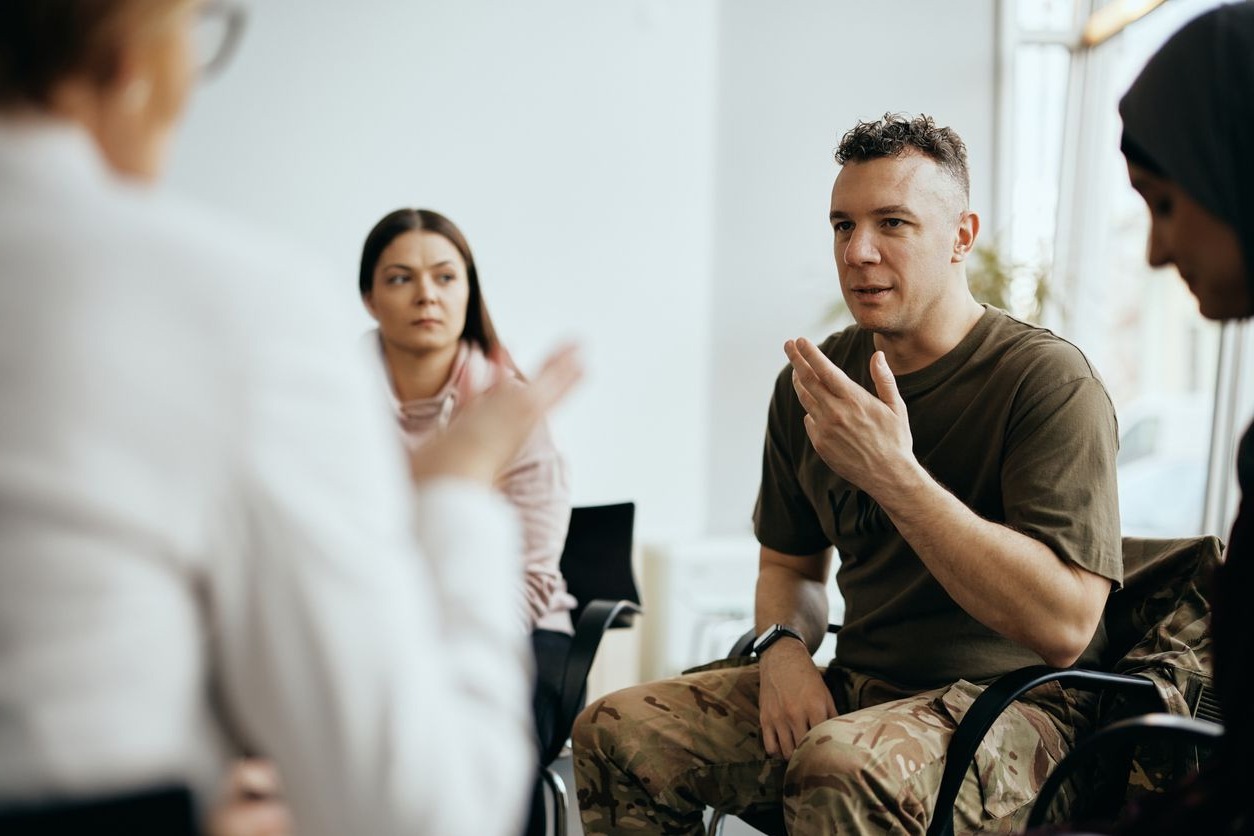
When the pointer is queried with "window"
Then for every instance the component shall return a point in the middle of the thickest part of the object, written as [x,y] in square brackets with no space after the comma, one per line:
[1068,209]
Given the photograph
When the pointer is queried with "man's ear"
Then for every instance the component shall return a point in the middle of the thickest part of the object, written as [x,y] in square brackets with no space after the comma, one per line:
[964,241]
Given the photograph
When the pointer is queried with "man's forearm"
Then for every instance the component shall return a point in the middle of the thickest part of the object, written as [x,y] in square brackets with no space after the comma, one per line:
[1008,581]
[785,596]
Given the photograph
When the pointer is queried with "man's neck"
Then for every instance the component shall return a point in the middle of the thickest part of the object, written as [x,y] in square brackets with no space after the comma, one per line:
[951,322]
[418,375]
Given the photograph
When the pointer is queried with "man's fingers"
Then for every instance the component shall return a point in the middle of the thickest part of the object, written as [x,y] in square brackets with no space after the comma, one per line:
[808,402]
[822,371]
[886,383]
[803,374]
[826,712]
[769,741]
[827,372]
[786,743]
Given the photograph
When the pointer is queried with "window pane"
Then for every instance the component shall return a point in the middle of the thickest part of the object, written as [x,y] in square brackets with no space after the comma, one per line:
[1038,110]
[1049,15]
[1140,327]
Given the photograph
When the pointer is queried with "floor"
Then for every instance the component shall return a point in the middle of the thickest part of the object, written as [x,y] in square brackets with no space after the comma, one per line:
[733,827]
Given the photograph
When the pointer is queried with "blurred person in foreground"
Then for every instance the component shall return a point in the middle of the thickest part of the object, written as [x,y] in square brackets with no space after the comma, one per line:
[208,545]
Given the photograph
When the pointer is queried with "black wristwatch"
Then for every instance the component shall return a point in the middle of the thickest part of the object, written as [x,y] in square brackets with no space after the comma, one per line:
[773,634]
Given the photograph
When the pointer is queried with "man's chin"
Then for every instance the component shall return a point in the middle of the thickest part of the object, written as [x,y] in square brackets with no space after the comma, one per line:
[874,321]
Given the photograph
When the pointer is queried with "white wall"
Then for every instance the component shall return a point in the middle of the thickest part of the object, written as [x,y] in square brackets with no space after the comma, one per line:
[571,142]
[793,78]
[650,176]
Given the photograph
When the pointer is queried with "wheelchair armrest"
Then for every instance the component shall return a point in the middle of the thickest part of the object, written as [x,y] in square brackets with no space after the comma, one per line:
[1157,727]
[743,645]
[597,617]
[996,698]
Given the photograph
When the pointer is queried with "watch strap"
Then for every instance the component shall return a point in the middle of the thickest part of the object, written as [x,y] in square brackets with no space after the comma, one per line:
[773,634]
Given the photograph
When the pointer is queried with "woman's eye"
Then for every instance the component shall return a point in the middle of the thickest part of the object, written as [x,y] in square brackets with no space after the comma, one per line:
[447,277]
[843,226]
[894,223]
[399,278]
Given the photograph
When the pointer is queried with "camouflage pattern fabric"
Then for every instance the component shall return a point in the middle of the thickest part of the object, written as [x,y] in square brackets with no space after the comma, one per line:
[650,759]
[1167,616]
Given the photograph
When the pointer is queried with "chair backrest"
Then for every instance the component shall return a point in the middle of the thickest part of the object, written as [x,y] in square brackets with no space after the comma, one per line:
[1158,624]
[596,561]
[1160,578]
[1159,628]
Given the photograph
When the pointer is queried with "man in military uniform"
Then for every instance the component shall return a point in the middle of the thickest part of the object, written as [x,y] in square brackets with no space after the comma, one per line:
[962,464]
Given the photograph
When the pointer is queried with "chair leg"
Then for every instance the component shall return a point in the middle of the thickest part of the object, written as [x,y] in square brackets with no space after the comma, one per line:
[560,804]
[715,827]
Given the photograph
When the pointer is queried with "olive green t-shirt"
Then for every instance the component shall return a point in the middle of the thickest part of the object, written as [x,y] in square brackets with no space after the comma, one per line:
[1015,423]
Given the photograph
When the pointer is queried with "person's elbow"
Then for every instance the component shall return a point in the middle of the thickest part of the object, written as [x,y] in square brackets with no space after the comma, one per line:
[1064,639]
[1064,650]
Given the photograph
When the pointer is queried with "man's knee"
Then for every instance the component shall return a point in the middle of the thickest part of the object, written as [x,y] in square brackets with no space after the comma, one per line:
[830,754]
[589,728]
[609,723]
[860,779]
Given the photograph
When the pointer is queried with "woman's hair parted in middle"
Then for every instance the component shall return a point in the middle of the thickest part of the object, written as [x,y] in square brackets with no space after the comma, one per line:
[479,328]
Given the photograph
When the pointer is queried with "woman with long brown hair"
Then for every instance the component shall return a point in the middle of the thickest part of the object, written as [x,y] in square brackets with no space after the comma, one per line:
[440,352]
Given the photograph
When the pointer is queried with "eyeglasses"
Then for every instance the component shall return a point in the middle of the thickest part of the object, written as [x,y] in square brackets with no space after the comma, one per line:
[217,30]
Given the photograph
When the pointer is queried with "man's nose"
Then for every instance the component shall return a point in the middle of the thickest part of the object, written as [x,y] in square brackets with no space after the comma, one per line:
[860,248]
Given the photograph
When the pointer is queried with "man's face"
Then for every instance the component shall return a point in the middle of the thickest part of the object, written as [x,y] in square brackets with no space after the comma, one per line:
[1203,248]
[896,224]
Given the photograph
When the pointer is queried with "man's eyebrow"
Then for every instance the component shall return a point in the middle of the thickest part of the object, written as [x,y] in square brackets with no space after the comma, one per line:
[880,212]
[895,209]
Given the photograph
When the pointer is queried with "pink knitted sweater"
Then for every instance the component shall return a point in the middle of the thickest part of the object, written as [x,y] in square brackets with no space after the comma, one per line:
[535,483]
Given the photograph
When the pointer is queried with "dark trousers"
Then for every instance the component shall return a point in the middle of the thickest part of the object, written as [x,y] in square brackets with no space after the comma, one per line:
[551,649]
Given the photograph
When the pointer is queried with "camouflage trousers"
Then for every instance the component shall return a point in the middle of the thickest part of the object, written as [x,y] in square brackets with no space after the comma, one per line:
[652,758]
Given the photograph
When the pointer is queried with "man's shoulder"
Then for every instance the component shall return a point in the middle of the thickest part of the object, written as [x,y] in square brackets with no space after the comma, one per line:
[1023,347]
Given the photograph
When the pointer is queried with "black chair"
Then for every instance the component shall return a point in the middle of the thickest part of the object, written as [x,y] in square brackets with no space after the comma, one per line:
[596,564]
[1116,744]
[158,812]
[1158,576]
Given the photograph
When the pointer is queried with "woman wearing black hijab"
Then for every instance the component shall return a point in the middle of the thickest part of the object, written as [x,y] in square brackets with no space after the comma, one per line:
[1188,137]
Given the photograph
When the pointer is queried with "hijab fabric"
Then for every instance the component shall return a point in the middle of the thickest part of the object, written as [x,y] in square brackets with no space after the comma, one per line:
[1190,116]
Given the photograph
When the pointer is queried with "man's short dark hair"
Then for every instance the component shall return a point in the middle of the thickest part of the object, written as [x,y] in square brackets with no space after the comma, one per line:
[896,134]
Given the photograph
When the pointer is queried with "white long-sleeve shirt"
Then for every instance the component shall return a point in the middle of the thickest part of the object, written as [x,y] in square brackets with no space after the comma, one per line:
[207,538]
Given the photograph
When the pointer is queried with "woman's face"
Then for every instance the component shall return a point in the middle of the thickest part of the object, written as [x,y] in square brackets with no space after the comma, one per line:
[420,293]
[1203,248]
